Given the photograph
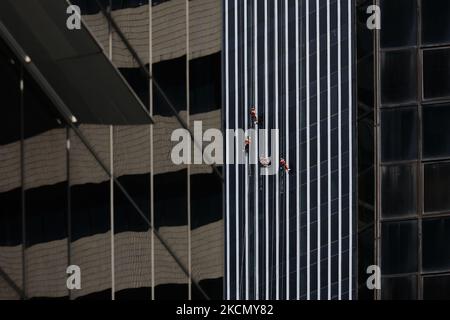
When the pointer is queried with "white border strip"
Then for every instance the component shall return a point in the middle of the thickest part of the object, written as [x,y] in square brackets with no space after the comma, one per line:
[227,174]
[297,138]
[236,108]
[308,163]
[255,67]
[152,208]
[246,190]
[188,120]
[266,121]
[350,152]
[339,21]
[277,186]
[286,63]
[329,144]
[318,147]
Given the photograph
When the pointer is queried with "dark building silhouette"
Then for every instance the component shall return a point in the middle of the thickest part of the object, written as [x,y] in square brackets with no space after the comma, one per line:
[403,111]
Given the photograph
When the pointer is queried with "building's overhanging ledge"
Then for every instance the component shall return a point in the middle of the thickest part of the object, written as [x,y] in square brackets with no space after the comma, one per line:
[72,63]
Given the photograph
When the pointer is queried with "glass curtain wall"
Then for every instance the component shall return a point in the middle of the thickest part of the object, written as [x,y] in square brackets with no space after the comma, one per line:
[204,99]
[34,192]
[290,235]
[59,206]
[414,148]
[366,150]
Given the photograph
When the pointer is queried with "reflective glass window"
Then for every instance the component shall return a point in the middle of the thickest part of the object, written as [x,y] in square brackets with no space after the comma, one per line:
[436,131]
[436,186]
[131,147]
[436,288]
[170,180]
[90,213]
[435,21]
[398,191]
[10,175]
[399,247]
[436,249]
[132,233]
[46,196]
[399,23]
[399,134]
[398,76]
[399,288]
[205,102]
[436,73]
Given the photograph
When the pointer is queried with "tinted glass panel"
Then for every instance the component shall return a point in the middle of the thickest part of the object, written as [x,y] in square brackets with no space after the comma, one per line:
[207,234]
[436,131]
[365,144]
[132,240]
[436,73]
[365,82]
[170,191]
[133,237]
[436,186]
[436,249]
[399,247]
[365,259]
[398,76]
[399,23]
[46,189]
[436,21]
[436,288]
[9,91]
[10,175]
[205,83]
[399,134]
[90,210]
[399,288]
[133,19]
[205,96]
[398,191]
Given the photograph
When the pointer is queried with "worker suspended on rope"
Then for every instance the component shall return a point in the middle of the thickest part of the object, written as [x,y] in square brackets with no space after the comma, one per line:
[265,161]
[247,143]
[284,166]
[253,115]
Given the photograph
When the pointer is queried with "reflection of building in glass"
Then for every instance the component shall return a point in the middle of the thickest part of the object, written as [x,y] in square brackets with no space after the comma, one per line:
[85,149]
[60,207]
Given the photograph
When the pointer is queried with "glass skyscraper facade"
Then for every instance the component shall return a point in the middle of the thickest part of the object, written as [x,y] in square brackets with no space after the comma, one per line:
[404,89]
[355,176]
[63,203]
[290,235]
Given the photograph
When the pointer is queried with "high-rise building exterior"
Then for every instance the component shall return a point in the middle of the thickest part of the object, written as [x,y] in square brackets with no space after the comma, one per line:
[290,234]
[404,91]
[398,180]
[89,192]
[333,115]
